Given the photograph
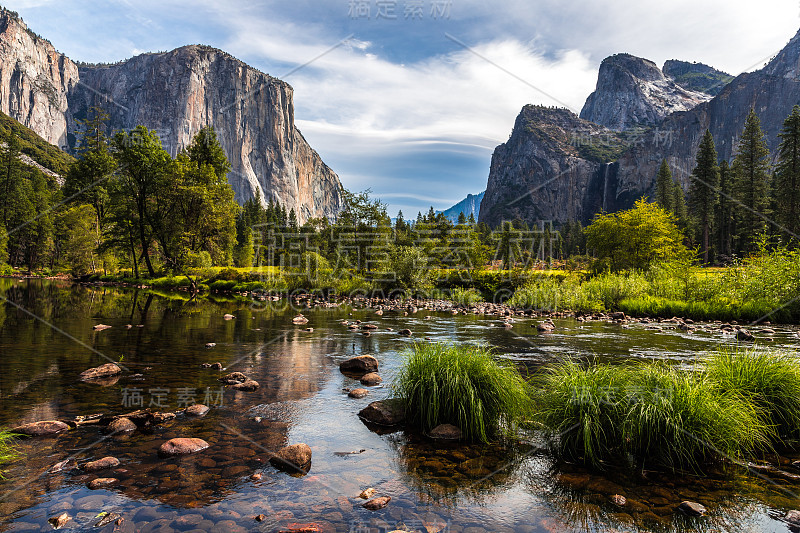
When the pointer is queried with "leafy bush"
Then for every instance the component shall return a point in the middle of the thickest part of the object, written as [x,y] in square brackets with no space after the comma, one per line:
[7,450]
[465,297]
[462,385]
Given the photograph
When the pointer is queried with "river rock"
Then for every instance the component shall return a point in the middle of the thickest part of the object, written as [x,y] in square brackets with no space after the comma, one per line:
[108,518]
[216,366]
[102,482]
[405,332]
[210,344]
[363,364]
[445,432]
[619,500]
[228,316]
[59,521]
[302,528]
[197,409]
[691,508]
[366,494]
[377,503]
[101,327]
[744,335]
[371,379]
[247,385]
[390,412]
[233,378]
[792,518]
[44,428]
[358,393]
[293,458]
[102,371]
[101,464]
[182,446]
[299,319]
[121,425]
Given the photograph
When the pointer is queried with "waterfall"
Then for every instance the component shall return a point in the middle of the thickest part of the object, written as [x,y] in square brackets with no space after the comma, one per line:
[605,184]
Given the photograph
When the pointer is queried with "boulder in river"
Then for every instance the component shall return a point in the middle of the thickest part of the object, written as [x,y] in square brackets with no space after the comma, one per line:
[295,459]
[390,412]
[299,319]
[363,364]
[358,393]
[59,521]
[228,316]
[102,482]
[44,428]
[102,371]
[101,327]
[182,446]
[445,432]
[792,518]
[405,332]
[246,385]
[691,508]
[744,335]
[101,464]
[197,409]
[121,425]
[378,503]
[371,379]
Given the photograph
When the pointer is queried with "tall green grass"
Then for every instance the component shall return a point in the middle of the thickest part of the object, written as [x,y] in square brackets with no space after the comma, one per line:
[769,379]
[8,452]
[644,413]
[465,386]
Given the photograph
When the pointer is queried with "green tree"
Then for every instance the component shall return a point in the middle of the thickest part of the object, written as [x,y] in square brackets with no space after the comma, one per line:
[679,205]
[243,252]
[724,211]
[637,238]
[205,149]
[787,177]
[9,158]
[79,242]
[462,219]
[751,183]
[704,191]
[665,194]
[3,245]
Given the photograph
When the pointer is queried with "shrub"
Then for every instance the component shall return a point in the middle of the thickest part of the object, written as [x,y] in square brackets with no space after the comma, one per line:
[771,379]
[465,386]
[465,297]
[7,450]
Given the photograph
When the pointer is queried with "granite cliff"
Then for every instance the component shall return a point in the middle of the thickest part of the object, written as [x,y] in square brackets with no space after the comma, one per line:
[175,93]
[565,184]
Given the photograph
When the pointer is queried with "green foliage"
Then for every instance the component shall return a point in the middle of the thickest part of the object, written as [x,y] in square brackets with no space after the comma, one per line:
[703,191]
[410,269]
[465,386]
[649,412]
[751,170]
[769,379]
[465,297]
[637,238]
[787,177]
[8,452]
[79,238]
[664,193]
[34,146]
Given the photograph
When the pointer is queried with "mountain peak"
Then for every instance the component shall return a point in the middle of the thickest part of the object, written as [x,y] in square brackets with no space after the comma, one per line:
[787,63]
[632,91]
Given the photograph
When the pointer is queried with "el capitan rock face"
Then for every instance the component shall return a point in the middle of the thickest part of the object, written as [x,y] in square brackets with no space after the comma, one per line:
[175,93]
[633,91]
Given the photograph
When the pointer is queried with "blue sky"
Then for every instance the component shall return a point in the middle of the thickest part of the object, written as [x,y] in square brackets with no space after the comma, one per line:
[410,97]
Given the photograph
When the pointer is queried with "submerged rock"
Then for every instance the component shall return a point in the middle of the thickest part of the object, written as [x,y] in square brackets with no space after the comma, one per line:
[377,503]
[44,428]
[108,518]
[102,371]
[102,482]
[101,327]
[405,332]
[122,425]
[391,412]
[101,464]
[445,432]
[366,494]
[363,364]
[59,521]
[371,379]
[744,335]
[182,446]
[294,459]
[299,319]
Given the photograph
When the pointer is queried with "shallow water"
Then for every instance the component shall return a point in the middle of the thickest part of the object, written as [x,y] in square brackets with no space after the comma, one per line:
[46,340]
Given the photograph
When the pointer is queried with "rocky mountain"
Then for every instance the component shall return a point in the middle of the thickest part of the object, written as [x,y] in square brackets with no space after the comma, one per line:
[697,76]
[554,167]
[537,175]
[632,91]
[470,205]
[175,93]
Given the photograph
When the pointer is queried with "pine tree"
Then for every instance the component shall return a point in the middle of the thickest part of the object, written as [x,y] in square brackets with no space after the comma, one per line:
[461,218]
[723,218]
[471,219]
[751,183]
[679,205]
[703,191]
[664,189]
[787,177]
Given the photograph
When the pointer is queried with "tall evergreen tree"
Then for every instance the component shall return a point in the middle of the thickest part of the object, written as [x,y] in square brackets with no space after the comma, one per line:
[787,177]
[679,206]
[703,191]
[665,195]
[751,183]
[723,217]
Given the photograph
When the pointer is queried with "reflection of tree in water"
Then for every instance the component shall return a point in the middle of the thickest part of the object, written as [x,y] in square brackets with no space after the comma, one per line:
[452,474]
[582,501]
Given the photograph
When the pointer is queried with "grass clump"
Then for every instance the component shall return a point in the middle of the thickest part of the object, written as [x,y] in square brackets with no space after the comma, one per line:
[465,386]
[769,379]
[8,451]
[644,414]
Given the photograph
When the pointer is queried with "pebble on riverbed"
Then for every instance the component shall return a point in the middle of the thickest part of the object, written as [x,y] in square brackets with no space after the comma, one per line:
[182,446]
[101,464]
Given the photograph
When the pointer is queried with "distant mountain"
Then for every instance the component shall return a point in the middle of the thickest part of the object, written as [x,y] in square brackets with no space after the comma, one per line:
[632,91]
[697,76]
[471,205]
